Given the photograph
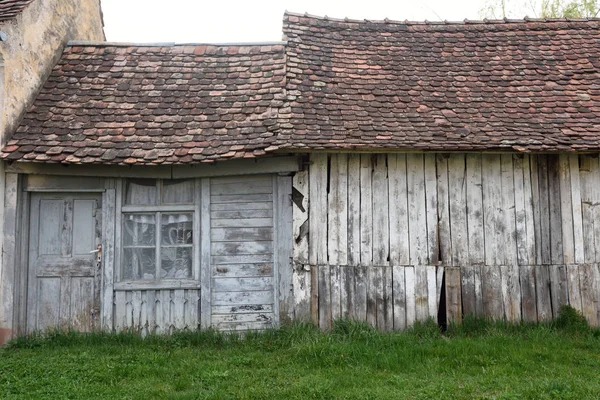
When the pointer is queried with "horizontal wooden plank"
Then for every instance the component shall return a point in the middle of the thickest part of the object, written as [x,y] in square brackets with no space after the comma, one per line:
[241,223]
[241,234]
[242,298]
[157,285]
[244,326]
[241,198]
[243,309]
[262,179]
[245,259]
[241,248]
[243,270]
[255,205]
[253,317]
[241,188]
[242,284]
[242,214]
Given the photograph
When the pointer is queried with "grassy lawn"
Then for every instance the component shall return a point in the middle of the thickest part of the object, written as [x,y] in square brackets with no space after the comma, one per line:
[476,360]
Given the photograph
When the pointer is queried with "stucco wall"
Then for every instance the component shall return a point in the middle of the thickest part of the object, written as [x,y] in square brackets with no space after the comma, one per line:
[35,40]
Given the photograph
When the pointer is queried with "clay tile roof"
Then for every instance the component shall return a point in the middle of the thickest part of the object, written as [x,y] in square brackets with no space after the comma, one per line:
[148,105]
[526,85]
[11,8]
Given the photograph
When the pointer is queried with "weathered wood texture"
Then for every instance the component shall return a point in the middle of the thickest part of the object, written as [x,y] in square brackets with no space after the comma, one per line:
[516,227]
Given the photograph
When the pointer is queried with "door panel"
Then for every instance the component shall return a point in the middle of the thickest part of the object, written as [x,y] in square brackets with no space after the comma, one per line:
[64,276]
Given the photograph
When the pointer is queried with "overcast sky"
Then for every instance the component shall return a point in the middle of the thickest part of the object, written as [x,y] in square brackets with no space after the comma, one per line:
[217,21]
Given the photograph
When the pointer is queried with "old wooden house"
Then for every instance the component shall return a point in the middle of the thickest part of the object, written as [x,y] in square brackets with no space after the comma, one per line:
[378,170]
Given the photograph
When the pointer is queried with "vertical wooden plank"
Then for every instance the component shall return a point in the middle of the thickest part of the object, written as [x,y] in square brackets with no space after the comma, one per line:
[542,292]
[417,221]
[576,204]
[354,190]
[511,292]
[411,308]
[361,287]
[595,186]
[302,292]
[205,257]
[458,199]
[378,291]
[333,205]
[324,297]
[381,226]
[589,290]
[558,288]
[467,290]
[166,314]
[178,309]
[529,213]
[398,210]
[366,210]
[314,293]
[573,286]
[492,292]
[191,309]
[596,272]
[520,213]
[300,198]
[431,207]
[475,210]
[371,296]
[544,201]
[8,270]
[108,257]
[508,207]
[159,327]
[317,234]
[388,299]
[478,284]
[283,250]
[554,203]
[493,217]
[566,208]
[129,310]
[432,291]
[587,208]
[399,289]
[120,311]
[347,292]
[528,293]
[536,207]
[445,242]
[136,306]
[453,295]
[342,208]
[421,293]
[151,311]
[336,299]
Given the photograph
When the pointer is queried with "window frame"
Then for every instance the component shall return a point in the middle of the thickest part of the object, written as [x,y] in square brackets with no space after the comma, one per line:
[158,210]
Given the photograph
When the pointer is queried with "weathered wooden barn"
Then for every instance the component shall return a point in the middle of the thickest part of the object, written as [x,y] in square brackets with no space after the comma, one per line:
[377,170]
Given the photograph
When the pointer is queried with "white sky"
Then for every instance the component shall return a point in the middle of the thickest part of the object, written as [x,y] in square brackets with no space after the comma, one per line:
[214,21]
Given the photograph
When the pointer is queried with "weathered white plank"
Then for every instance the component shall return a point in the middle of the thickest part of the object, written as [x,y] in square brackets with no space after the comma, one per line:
[398,210]
[421,293]
[508,208]
[243,309]
[302,290]
[573,286]
[445,242]
[150,311]
[410,283]
[317,234]
[242,198]
[520,213]
[536,207]
[347,292]
[205,256]
[559,290]
[431,206]
[453,295]
[588,290]
[108,252]
[249,186]
[474,211]
[381,226]
[542,293]
[468,290]
[458,215]
[511,292]
[242,284]
[492,292]
[530,224]
[283,257]
[337,238]
[595,186]
[243,319]
[373,290]
[242,298]
[576,204]
[336,299]
[544,206]
[166,321]
[388,299]
[566,208]
[361,286]
[366,210]
[178,317]
[243,270]
[554,203]
[493,218]
[528,293]
[399,289]
[432,291]
[324,297]
[241,248]
[417,219]
[242,223]
[136,305]
[120,311]
[354,209]
[300,198]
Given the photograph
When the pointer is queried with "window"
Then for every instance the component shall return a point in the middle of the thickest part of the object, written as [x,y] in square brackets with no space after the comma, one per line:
[158,230]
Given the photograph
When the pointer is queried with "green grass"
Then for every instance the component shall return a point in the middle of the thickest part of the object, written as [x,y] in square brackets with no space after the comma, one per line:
[478,359]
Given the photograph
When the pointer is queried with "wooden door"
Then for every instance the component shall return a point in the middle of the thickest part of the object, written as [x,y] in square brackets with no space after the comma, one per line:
[64,273]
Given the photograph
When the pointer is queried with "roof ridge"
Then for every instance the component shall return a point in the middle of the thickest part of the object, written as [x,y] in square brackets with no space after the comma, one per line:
[524,21]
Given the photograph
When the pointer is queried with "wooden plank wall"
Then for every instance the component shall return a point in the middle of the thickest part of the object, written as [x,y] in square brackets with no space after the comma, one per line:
[515,235]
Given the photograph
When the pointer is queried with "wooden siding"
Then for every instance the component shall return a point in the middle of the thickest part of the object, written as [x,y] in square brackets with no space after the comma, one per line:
[506,235]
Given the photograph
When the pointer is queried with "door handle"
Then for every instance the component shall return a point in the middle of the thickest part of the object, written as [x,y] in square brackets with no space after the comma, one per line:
[98,252]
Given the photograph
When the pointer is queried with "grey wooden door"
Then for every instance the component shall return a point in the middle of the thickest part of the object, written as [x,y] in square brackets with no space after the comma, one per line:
[64,275]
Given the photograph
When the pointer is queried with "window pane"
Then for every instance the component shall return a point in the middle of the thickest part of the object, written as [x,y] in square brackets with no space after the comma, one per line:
[141,192]
[139,263]
[139,229]
[176,262]
[178,191]
[177,229]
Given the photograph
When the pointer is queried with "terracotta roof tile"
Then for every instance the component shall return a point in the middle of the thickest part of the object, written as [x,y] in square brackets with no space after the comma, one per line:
[9,9]
[524,85]
[142,105]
